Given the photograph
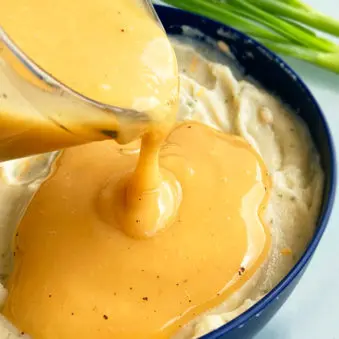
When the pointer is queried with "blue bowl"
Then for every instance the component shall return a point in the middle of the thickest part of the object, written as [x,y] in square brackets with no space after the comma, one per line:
[278,78]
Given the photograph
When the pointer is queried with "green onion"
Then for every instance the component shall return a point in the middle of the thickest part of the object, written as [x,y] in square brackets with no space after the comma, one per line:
[223,14]
[300,26]
[326,60]
[297,4]
[308,16]
[285,26]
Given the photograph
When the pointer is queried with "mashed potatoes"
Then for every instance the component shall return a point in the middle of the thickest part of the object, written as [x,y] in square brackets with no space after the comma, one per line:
[211,94]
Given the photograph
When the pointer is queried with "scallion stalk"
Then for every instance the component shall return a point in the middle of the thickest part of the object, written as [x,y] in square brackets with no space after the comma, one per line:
[283,27]
[307,16]
[297,4]
[228,17]
[329,61]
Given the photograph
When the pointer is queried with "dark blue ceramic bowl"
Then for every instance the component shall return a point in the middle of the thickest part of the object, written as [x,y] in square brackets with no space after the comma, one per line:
[276,77]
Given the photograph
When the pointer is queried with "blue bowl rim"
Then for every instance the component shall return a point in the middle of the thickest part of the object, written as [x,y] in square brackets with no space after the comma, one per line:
[322,222]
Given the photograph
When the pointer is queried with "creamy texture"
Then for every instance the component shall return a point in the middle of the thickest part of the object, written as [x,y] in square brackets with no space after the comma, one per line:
[215,97]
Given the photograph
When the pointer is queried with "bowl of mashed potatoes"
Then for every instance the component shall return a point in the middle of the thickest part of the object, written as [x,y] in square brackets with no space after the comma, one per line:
[203,276]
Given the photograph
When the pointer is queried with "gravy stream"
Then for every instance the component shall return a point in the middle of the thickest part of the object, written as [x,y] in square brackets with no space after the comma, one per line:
[121,244]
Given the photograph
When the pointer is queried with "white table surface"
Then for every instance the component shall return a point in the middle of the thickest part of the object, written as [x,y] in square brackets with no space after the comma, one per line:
[312,311]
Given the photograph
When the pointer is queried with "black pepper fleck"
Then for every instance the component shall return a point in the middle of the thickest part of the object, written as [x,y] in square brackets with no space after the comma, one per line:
[105,317]
[241,270]
[145,298]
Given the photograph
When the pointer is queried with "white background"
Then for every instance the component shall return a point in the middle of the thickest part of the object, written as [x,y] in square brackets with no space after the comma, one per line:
[312,311]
